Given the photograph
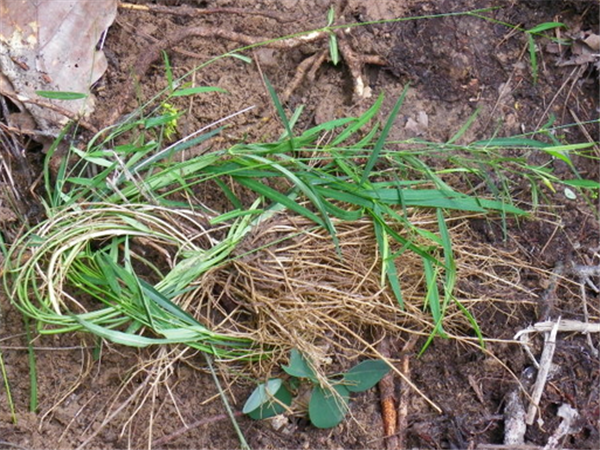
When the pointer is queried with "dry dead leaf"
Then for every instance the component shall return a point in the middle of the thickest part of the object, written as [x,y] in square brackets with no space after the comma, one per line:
[584,50]
[49,45]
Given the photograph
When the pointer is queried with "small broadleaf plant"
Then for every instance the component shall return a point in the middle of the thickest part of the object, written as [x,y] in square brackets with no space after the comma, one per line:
[328,405]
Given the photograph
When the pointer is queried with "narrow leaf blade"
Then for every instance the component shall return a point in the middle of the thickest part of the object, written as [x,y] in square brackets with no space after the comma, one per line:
[382,137]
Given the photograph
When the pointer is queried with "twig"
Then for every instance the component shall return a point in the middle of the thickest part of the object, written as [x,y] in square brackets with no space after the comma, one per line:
[569,416]
[511,447]
[514,419]
[405,392]
[564,325]
[395,421]
[190,12]
[151,54]
[389,414]
[306,69]
[540,382]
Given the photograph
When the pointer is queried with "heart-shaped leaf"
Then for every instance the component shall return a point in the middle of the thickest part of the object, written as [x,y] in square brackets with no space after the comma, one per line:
[365,375]
[299,367]
[268,400]
[328,407]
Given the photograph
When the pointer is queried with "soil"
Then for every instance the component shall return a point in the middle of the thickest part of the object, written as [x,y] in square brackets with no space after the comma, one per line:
[456,65]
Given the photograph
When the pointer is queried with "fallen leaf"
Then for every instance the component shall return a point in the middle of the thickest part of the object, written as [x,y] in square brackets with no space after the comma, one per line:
[49,45]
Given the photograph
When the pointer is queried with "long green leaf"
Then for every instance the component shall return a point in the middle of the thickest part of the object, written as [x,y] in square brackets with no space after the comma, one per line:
[196,90]
[278,197]
[382,137]
[61,95]
[465,127]
[432,297]
[360,122]
[387,260]
[281,113]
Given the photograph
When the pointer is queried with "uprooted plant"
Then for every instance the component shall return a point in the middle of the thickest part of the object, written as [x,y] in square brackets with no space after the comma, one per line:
[131,253]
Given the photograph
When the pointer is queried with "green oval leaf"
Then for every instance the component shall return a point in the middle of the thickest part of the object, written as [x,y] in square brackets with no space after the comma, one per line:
[268,400]
[328,407]
[261,394]
[61,95]
[299,367]
[278,405]
[365,375]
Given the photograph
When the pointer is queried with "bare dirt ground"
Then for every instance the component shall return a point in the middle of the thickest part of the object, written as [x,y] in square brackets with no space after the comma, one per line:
[454,65]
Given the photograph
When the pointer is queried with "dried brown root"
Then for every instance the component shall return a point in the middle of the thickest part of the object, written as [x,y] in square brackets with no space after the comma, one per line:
[188,11]
[356,63]
[387,395]
[306,70]
[405,392]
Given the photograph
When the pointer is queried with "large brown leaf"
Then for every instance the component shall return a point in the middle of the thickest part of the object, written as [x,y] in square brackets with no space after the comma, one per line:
[50,45]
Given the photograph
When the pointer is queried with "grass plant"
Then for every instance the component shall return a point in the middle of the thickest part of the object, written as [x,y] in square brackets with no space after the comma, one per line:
[92,243]
[86,268]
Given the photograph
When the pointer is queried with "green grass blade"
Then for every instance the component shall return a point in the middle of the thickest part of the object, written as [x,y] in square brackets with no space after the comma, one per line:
[333,49]
[161,300]
[172,149]
[388,261]
[465,127]
[9,399]
[382,137]
[61,95]
[360,122]
[510,142]
[119,337]
[532,57]
[449,262]
[33,378]
[197,90]
[281,114]
[54,192]
[168,71]
[278,197]
[432,297]
[307,190]
[545,26]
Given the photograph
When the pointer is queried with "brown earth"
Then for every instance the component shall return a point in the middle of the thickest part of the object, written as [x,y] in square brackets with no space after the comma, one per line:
[455,65]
